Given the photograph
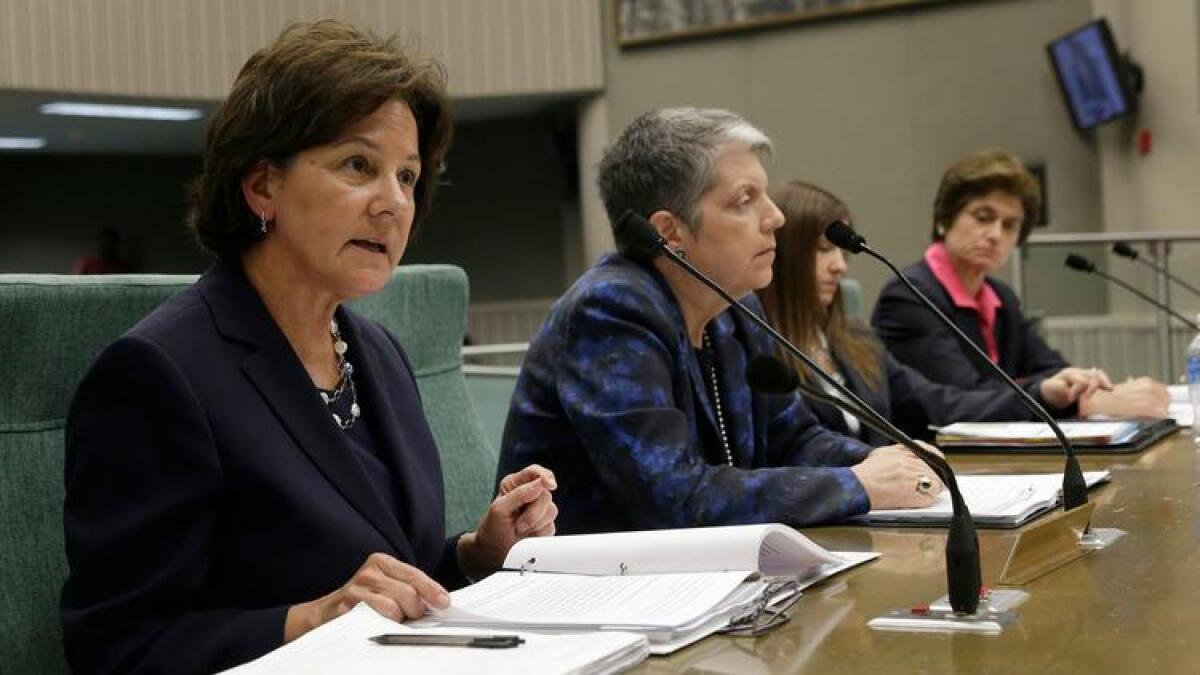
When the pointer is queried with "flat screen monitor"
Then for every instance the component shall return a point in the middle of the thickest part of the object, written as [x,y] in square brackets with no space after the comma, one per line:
[1091,76]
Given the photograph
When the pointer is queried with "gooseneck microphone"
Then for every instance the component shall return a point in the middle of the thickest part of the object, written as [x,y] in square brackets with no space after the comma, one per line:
[1082,264]
[1126,251]
[964,578]
[1074,486]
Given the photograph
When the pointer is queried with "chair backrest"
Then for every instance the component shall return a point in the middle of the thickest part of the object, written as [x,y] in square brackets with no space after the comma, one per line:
[53,327]
[852,300]
[491,393]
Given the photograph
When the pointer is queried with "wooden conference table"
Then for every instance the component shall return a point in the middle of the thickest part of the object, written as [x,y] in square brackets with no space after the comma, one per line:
[1131,608]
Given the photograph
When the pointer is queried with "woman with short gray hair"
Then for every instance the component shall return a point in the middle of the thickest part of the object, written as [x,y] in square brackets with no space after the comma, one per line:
[633,391]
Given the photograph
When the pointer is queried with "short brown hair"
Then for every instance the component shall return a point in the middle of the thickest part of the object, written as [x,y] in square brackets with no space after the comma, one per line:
[978,174]
[303,90]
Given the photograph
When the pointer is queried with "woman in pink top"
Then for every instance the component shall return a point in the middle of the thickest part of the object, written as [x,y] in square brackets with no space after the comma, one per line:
[983,210]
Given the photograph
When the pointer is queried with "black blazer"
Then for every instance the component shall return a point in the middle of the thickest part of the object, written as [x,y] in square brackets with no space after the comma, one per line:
[208,488]
[912,402]
[917,339]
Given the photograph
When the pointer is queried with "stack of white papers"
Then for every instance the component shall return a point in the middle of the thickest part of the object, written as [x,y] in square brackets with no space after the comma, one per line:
[673,586]
[342,646]
[671,610]
[998,501]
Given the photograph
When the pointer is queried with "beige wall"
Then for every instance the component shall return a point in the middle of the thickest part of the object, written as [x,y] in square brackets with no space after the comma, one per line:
[1161,190]
[192,49]
[875,107]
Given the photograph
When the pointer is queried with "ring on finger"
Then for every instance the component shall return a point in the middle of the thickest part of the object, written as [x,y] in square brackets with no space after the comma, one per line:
[924,484]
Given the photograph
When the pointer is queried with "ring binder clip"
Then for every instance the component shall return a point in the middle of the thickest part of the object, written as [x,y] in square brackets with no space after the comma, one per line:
[770,610]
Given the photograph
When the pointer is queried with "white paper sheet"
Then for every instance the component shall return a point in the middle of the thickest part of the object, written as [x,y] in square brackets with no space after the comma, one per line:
[341,646]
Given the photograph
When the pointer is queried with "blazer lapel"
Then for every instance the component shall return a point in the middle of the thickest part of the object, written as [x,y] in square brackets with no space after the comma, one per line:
[419,484]
[280,378]
[697,379]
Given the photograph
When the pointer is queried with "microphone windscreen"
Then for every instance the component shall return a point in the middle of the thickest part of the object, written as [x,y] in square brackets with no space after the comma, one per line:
[769,375]
[1123,249]
[1078,262]
[840,234]
[638,235]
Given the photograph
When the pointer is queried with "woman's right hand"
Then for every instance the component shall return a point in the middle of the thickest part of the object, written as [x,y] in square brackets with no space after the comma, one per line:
[392,588]
[892,475]
[1139,397]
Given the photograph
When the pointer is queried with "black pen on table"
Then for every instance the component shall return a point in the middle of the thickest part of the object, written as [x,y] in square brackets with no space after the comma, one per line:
[416,639]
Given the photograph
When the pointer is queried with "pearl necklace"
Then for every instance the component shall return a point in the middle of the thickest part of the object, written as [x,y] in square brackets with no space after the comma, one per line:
[711,374]
[345,382]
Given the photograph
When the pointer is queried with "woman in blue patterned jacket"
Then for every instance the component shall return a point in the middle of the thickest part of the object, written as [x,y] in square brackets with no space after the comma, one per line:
[633,391]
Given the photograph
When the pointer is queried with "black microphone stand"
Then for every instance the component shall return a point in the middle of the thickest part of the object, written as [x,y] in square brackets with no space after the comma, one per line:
[1082,264]
[1074,486]
[1125,250]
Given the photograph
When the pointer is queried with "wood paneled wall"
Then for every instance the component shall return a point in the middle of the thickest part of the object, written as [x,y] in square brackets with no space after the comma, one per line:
[193,48]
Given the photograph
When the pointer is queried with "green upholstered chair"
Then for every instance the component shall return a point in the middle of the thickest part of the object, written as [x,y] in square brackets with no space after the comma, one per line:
[852,300]
[491,393]
[54,326]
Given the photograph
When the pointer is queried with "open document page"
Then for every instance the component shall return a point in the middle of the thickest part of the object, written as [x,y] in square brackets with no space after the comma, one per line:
[671,610]
[674,586]
[564,600]
[999,501]
[771,549]
[342,646]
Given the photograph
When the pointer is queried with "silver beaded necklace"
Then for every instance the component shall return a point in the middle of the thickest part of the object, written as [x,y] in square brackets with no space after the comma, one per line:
[711,373]
[345,382]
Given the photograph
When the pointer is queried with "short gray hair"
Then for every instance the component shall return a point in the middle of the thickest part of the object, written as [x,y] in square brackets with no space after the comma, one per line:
[666,160]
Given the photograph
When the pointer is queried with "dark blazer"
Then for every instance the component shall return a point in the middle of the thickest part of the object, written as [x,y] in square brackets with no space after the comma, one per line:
[612,399]
[917,339]
[913,403]
[208,488]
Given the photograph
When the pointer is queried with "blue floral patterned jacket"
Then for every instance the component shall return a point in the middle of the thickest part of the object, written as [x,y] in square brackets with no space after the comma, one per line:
[611,398]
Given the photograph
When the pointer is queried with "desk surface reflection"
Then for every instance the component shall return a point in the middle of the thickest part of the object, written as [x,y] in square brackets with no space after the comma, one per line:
[1129,608]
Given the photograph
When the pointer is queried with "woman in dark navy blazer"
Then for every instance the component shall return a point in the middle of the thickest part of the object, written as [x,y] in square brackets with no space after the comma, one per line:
[804,302]
[251,460]
[984,209]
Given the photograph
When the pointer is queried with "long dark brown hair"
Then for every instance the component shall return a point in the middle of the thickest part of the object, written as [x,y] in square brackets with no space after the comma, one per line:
[792,303]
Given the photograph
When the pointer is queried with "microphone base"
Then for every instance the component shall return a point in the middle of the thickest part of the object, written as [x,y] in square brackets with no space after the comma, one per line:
[1052,542]
[997,611]
[1099,538]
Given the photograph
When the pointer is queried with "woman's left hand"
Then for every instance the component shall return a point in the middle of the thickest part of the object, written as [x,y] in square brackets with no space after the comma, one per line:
[524,508]
[1072,384]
